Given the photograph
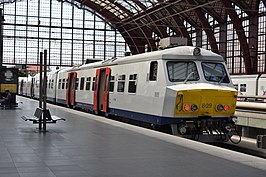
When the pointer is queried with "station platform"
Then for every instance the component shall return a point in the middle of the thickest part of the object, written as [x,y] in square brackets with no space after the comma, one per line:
[86,145]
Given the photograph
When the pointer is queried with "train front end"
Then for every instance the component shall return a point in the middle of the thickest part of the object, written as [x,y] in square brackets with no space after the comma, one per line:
[205,99]
[205,112]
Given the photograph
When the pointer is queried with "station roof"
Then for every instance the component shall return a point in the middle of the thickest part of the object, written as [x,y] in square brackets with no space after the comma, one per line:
[139,20]
[143,23]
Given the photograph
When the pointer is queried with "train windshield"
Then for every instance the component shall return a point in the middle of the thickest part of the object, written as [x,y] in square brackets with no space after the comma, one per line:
[215,72]
[182,71]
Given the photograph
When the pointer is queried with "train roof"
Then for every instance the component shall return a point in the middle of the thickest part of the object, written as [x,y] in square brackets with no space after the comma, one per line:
[64,69]
[176,53]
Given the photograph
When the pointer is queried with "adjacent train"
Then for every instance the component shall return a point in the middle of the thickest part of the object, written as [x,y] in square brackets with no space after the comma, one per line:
[185,89]
[251,85]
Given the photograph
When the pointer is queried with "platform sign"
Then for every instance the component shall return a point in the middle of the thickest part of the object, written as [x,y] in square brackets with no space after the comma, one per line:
[9,79]
[11,87]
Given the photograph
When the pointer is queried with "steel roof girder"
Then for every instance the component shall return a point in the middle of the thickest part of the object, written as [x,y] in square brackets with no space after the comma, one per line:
[253,42]
[114,21]
[264,2]
[240,32]
[222,40]
[180,25]
[206,26]
[244,6]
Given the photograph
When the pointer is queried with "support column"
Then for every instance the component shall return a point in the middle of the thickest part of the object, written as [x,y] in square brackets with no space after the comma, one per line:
[198,37]
[40,90]
[222,40]
[253,42]
[1,36]
[44,89]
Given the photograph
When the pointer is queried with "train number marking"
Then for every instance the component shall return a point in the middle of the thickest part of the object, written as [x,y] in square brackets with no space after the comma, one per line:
[206,105]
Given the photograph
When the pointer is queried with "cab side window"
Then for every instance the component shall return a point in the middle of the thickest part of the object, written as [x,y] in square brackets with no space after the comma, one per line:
[59,84]
[112,84]
[132,85]
[243,87]
[77,84]
[121,83]
[88,83]
[153,71]
[82,82]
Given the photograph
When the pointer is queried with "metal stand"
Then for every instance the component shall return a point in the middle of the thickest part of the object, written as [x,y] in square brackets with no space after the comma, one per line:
[42,90]
[1,36]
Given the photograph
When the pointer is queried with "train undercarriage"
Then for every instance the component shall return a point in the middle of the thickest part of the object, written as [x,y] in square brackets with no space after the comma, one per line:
[205,130]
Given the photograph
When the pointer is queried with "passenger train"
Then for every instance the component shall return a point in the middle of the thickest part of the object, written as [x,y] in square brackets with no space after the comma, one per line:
[251,85]
[185,89]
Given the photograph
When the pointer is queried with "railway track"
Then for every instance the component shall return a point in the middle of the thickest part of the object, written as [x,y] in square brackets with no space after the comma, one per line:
[246,146]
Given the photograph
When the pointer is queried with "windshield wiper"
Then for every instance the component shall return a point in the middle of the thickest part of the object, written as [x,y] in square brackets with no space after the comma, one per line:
[222,78]
[190,74]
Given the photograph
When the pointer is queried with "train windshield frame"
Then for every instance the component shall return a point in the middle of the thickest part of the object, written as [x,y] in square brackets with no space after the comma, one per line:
[180,71]
[215,72]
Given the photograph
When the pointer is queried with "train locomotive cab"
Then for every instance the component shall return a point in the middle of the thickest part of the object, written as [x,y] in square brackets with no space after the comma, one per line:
[205,99]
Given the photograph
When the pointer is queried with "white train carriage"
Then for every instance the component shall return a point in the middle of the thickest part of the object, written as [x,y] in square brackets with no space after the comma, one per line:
[22,87]
[36,85]
[186,87]
[250,85]
[26,86]
[51,85]
[245,84]
[61,85]
[169,87]
[262,86]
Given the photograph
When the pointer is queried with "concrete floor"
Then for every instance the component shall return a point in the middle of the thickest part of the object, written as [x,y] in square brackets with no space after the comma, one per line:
[86,145]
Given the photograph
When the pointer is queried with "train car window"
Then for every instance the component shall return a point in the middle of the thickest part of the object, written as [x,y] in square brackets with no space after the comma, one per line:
[52,85]
[93,84]
[121,83]
[88,83]
[63,84]
[112,84]
[215,72]
[59,84]
[236,86]
[77,84]
[66,83]
[49,84]
[82,80]
[243,87]
[132,84]
[153,71]
[179,71]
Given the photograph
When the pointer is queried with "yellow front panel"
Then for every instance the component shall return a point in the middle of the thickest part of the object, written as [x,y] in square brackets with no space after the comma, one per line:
[11,87]
[206,101]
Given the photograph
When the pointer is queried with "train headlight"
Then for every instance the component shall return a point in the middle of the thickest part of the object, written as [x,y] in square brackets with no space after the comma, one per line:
[194,107]
[226,107]
[187,107]
[196,51]
[220,107]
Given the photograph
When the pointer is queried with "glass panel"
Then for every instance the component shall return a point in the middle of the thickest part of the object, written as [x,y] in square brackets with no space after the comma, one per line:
[215,72]
[181,71]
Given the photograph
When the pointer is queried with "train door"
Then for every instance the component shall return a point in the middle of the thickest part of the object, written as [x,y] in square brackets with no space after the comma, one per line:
[101,92]
[70,90]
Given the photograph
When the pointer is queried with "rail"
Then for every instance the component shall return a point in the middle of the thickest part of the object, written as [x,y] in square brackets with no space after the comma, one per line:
[251,98]
[249,102]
